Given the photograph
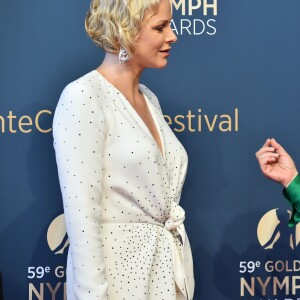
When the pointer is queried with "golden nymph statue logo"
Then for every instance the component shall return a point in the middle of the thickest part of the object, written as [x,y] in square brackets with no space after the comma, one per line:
[273,229]
[47,281]
[271,272]
[57,235]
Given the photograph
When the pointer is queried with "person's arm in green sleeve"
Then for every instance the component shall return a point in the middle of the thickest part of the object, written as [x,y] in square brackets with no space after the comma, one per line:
[292,194]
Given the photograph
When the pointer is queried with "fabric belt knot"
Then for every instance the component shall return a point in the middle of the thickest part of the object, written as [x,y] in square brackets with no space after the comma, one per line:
[181,255]
[175,221]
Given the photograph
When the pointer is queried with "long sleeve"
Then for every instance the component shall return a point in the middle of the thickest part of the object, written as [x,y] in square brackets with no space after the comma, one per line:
[79,139]
[292,194]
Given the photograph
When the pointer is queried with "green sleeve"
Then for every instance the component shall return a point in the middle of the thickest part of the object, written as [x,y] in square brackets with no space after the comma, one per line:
[292,194]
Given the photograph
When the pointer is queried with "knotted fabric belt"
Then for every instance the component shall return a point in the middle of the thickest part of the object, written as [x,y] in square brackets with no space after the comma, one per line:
[182,260]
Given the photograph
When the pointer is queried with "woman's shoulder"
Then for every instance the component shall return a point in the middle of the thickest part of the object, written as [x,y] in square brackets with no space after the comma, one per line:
[85,90]
[83,96]
[88,83]
[82,100]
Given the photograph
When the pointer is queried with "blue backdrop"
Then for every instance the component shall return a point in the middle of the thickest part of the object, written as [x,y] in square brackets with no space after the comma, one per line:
[232,81]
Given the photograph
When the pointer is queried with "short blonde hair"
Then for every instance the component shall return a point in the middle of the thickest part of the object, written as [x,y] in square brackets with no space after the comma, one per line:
[113,24]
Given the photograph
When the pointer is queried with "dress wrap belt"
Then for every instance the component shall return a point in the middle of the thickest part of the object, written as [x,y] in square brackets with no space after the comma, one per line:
[175,227]
[182,260]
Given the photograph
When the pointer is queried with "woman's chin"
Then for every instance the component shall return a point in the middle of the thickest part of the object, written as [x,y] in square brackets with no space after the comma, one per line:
[162,64]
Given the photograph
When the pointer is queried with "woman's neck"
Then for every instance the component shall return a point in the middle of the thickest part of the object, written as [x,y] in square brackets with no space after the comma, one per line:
[125,77]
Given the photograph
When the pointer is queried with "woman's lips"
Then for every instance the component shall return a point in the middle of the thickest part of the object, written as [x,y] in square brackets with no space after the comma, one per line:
[166,51]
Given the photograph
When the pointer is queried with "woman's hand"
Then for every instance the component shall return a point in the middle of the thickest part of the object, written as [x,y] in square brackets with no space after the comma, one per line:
[275,163]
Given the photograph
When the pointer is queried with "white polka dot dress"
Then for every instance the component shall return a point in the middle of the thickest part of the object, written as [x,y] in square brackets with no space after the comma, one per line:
[120,195]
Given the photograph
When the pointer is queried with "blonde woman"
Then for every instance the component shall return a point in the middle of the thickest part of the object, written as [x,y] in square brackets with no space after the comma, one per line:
[121,168]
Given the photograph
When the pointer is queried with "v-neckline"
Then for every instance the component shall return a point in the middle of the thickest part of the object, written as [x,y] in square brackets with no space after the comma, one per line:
[151,111]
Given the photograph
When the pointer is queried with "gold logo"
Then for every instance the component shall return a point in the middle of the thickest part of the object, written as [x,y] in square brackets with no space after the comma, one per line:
[57,237]
[273,229]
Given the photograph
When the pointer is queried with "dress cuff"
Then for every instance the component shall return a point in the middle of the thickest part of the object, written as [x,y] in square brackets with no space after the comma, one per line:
[292,194]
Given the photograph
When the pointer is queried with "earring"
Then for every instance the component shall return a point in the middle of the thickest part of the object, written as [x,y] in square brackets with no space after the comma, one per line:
[123,56]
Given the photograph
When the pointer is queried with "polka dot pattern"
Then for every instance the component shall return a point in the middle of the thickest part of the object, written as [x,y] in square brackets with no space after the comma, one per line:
[118,189]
